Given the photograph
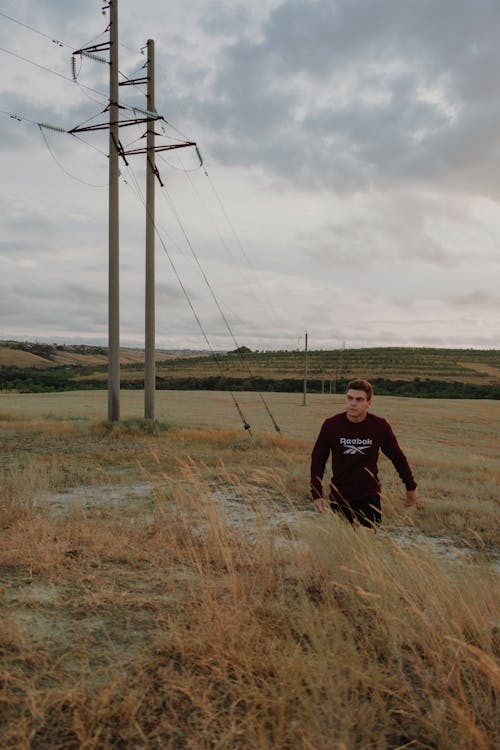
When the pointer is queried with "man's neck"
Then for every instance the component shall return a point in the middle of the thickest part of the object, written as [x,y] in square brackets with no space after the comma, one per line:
[356,420]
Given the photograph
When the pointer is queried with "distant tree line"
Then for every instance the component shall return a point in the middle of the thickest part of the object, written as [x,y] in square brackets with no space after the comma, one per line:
[63,378]
[417,388]
[36,380]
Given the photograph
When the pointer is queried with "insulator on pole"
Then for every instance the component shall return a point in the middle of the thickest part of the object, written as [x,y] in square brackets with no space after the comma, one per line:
[94,57]
[46,126]
[146,112]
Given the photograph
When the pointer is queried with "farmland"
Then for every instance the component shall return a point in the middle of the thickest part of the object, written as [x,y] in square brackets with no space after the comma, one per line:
[399,371]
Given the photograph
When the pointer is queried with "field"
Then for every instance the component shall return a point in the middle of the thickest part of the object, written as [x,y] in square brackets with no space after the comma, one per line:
[393,363]
[417,372]
[167,586]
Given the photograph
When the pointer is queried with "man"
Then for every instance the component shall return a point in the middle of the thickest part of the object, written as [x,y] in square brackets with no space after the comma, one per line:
[354,438]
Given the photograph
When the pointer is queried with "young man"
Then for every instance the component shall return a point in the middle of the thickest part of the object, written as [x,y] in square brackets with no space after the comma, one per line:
[354,438]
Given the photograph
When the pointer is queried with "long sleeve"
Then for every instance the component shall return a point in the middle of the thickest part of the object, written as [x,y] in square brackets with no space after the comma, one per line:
[391,448]
[319,457]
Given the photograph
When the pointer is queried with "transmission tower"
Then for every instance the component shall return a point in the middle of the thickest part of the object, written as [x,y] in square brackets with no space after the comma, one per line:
[116,151]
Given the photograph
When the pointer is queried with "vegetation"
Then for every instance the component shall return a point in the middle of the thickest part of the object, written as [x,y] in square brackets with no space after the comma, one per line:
[48,351]
[415,372]
[171,589]
[34,380]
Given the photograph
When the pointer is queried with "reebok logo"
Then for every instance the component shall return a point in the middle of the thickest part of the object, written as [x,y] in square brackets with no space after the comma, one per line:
[355,445]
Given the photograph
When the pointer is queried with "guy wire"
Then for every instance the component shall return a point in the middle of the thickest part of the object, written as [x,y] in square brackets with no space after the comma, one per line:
[246,425]
[68,174]
[223,316]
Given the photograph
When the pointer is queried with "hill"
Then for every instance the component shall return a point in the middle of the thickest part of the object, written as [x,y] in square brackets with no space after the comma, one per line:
[460,365]
[466,373]
[33,354]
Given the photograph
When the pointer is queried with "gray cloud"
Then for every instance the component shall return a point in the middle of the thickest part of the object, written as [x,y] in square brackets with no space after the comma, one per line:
[356,144]
[51,307]
[478,299]
[402,104]
[58,19]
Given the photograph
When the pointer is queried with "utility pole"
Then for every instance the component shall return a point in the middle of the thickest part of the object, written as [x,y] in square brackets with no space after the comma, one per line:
[113,226]
[149,346]
[304,403]
[338,374]
[116,151]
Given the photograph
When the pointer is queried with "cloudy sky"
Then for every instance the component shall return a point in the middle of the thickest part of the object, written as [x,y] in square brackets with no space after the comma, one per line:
[350,185]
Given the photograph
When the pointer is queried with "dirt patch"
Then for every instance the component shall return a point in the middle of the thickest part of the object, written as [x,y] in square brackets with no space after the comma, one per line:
[138,501]
[136,498]
[443,547]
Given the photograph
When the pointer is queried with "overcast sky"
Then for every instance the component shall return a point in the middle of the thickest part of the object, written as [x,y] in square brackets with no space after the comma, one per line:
[350,184]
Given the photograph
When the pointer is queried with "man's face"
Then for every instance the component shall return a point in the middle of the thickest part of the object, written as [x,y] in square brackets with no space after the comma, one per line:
[357,405]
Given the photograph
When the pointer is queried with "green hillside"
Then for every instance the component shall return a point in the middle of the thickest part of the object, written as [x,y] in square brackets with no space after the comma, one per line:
[409,371]
[452,373]
[463,365]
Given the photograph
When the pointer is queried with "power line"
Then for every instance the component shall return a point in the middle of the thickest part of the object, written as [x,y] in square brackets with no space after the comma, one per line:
[36,31]
[43,34]
[246,425]
[217,303]
[65,44]
[268,301]
[65,78]
[89,119]
[19,118]
[90,145]
[49,70]
[47,36]
[72,176]
[84,88]
[90,52]
[211,216]
[174,128]
[239,243]
[45,126]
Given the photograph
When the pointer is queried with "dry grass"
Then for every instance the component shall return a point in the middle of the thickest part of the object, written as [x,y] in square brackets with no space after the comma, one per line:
[192,622]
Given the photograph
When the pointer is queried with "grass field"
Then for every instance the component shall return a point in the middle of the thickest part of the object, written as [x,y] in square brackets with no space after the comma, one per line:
[170,588]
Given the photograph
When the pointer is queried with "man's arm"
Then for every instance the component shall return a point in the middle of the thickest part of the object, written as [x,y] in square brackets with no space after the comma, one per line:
[319,457]
[391,448]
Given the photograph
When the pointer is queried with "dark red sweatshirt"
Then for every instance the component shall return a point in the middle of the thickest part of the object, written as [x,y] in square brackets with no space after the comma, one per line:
[354,447]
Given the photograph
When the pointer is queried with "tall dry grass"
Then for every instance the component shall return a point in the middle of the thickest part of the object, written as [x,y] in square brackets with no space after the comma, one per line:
[201,621]
[202,624]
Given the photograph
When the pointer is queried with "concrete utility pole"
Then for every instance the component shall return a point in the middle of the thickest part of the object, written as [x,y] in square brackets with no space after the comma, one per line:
[305,372]
[115,151]
[150,324]
[338,374]
[114,240]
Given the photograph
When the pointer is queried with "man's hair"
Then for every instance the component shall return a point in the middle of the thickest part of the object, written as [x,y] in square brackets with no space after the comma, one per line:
[361,385]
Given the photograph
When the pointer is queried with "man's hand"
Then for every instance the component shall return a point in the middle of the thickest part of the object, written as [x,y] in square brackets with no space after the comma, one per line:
[411,497]
[321,505]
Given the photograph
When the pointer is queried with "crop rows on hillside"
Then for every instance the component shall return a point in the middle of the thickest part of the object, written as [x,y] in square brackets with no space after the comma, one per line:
[404,371]
[405,364]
